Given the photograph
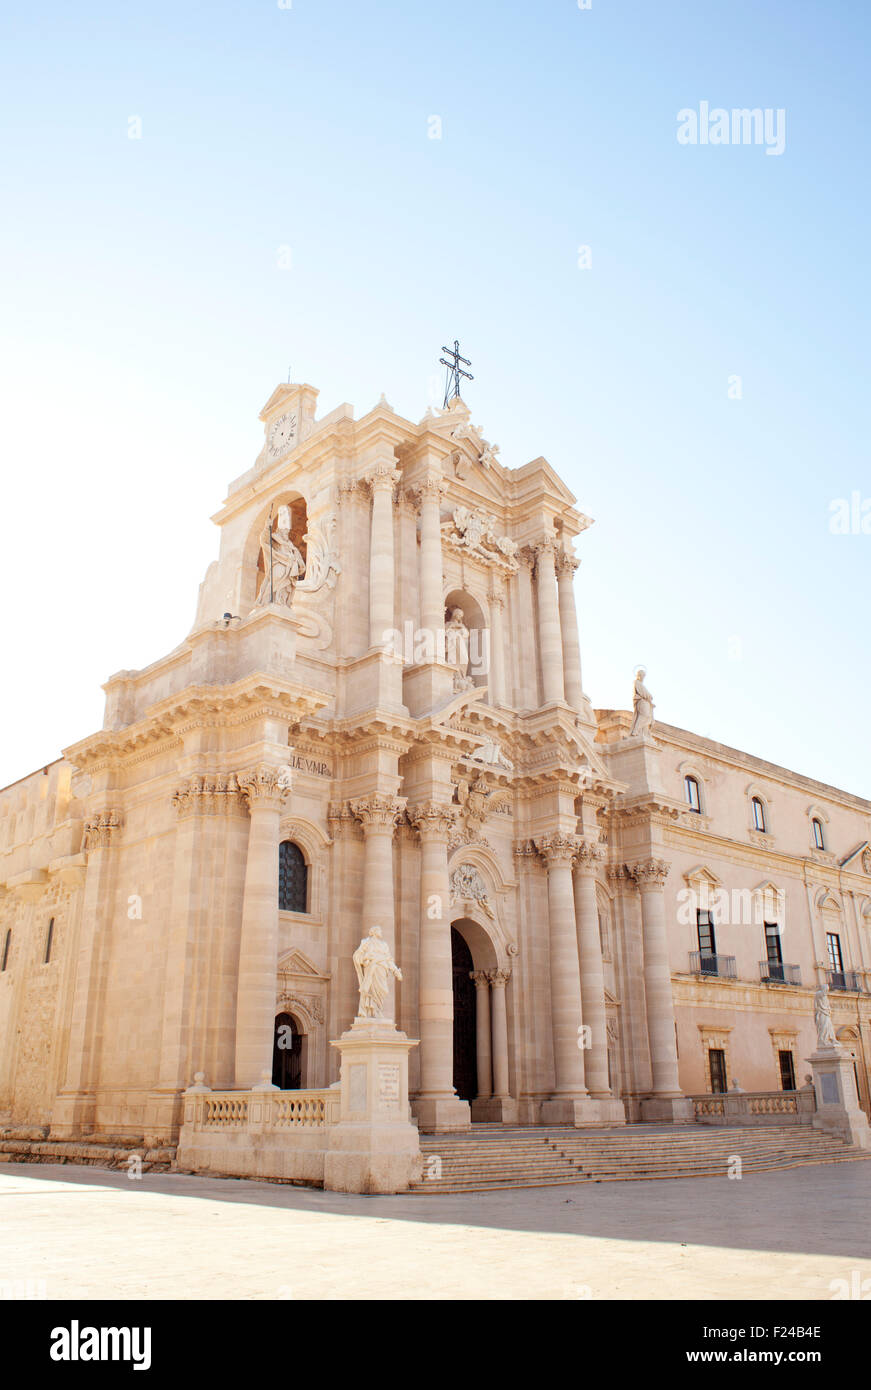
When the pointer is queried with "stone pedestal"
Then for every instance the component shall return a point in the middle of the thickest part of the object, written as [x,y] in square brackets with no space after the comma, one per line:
[838,1110]
[667,1110]
[374,1147]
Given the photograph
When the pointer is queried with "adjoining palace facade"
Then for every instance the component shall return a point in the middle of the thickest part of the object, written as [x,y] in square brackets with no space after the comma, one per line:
[379,718]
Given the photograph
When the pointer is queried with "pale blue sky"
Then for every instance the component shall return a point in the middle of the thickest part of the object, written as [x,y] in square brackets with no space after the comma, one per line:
[147,319]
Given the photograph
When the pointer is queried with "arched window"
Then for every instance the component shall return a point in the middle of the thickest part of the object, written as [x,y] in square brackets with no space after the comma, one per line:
[693,794]
[292,878]
[758,814]
[7,946]
[819,839]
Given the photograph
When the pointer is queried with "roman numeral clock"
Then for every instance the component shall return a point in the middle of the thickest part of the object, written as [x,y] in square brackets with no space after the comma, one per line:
[282,434]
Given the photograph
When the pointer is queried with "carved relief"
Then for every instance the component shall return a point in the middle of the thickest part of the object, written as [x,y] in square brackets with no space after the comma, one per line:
[209,794]
[476,533]
[322,562]
[467,885]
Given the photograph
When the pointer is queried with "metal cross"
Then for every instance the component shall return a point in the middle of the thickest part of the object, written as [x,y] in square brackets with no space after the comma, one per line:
[454,371]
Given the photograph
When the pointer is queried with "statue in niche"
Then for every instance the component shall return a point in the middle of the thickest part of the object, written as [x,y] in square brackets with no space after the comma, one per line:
[283,565]
[823,1018]
[642,701]
[457,649]
[374,966]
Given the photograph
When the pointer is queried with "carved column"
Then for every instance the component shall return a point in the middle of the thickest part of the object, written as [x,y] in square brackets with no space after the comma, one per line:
[592,969]
[258,947]
[498,980]
[496,676]
[378,815]
[437,1106]
[574,691]
[382,479]
[558,852]
[432,602]
[549,635]
[650,876]
[482,1032]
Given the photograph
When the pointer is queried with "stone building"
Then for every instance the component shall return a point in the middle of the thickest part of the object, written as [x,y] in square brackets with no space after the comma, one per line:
[379,717]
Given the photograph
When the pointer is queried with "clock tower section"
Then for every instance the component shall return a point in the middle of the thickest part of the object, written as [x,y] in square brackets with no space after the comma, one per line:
[288,417]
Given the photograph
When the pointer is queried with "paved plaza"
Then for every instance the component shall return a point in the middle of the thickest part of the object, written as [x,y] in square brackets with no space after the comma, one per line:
[90,1233]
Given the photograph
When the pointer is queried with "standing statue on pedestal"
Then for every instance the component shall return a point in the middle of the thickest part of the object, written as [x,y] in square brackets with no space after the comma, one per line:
[642,701]
[823,1018]
[374,966]
[283,564]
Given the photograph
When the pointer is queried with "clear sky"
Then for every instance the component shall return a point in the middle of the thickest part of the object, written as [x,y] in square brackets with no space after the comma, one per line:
[149,310]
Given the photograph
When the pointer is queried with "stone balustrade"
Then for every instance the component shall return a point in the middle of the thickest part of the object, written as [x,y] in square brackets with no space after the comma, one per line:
[281,1134]
[755,1108]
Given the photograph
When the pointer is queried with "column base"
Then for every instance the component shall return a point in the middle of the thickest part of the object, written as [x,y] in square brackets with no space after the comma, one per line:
[667,1110]
[570,1110]
[164,1112]
[612,1111]
[494,1110]
[72,1115]
[441,1114]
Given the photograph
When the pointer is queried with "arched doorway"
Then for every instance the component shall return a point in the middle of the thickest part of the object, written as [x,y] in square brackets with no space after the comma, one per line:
[465,1055]
[287,1054]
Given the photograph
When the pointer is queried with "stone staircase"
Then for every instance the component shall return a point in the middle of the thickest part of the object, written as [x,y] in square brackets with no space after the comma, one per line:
[95,1151]
[489,1158]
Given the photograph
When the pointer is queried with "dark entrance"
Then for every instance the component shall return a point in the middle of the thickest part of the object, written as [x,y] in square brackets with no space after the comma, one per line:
[286,1055]
[787,1070]
[465,1056]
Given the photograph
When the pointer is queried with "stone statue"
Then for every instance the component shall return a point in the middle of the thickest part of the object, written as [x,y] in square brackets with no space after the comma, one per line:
[642,704]
[457,649]
[374,966]
[823,1018]
[283,565]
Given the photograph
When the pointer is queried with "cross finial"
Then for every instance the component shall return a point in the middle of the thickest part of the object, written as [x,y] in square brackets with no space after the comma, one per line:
[454,371]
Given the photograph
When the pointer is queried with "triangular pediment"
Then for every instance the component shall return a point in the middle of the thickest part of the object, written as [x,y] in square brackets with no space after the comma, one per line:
[295,962]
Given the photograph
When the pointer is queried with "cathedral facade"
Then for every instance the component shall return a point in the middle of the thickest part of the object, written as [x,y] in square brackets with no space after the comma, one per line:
[379,718]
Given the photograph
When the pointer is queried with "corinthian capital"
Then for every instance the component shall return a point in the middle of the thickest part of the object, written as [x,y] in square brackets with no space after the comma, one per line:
[589,855]
[557,848]
[566,564]
[649,873]
[432,487]
[264,786]
[382,474]
[100,830]
[377,812]
[432,819]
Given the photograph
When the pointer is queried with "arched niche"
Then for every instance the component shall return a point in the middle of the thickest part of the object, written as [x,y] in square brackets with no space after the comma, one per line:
[479,632]
[253,560]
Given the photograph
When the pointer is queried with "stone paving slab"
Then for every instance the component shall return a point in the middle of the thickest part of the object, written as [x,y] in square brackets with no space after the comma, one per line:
[85,1233]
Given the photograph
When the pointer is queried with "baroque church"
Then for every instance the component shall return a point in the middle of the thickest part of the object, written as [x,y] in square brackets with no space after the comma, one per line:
[379,718]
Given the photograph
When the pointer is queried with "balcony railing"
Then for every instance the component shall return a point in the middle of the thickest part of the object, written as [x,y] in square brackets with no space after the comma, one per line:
[846,980]
[775,972]
[701,963]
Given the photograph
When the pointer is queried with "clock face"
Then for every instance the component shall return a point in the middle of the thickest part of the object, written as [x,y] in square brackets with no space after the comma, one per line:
[282,435]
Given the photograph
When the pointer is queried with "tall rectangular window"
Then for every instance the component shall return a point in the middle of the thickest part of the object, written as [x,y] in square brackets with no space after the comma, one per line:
[833,946]
[48,937]
[717,1063]
[705,929]
[7,944]
[773,947]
